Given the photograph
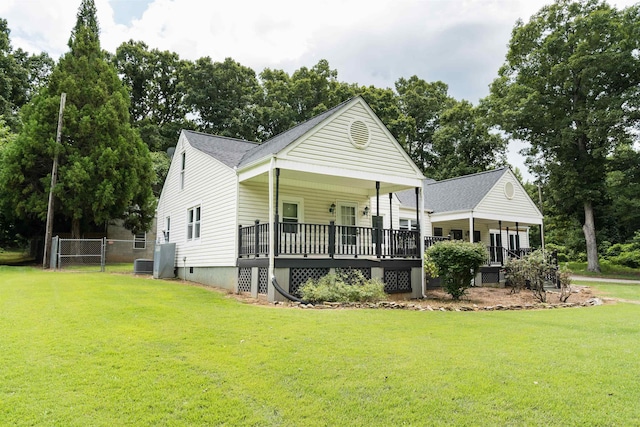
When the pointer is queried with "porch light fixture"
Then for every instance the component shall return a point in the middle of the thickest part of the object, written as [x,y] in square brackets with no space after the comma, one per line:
[365,212]
[332,208]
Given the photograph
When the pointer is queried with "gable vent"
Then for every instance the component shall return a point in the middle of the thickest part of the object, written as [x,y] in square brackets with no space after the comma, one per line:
[359,134]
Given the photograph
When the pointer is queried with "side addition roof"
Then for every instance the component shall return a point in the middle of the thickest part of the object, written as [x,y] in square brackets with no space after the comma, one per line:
[456,194]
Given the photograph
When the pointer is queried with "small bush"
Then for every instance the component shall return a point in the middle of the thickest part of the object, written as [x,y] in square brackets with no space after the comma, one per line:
[456,263]
[564,279]
[343,286]
[534,271]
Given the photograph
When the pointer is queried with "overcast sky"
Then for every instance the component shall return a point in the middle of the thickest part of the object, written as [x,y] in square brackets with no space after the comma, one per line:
[369,42]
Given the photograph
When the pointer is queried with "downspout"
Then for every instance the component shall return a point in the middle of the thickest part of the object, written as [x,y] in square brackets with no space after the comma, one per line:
[272,245]
[276,226]
[376,230]
[390,211]
[284,293]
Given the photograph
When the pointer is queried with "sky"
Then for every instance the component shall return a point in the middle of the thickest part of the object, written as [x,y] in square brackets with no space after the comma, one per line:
[369,42]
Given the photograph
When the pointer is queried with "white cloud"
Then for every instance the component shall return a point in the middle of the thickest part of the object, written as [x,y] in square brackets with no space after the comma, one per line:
[369,42]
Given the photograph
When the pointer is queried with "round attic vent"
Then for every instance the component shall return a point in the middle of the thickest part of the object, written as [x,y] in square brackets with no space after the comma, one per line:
[509,191]
[359,134]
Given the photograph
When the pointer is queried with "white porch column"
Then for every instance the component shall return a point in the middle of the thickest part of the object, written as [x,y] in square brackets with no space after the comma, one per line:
[422,234]
[471,227]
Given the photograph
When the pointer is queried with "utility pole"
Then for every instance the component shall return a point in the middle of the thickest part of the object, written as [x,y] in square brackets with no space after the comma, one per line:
[54,178]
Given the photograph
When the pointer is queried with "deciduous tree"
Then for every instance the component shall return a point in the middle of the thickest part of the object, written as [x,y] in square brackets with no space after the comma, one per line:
[570,87]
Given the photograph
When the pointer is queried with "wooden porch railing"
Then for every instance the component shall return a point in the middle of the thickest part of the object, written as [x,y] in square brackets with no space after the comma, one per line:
[330,240]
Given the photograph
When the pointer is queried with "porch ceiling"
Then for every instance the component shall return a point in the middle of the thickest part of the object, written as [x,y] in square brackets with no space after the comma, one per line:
[479,222]
[303,179]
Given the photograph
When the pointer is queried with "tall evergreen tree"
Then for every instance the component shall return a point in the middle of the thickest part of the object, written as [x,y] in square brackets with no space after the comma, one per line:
[105,169]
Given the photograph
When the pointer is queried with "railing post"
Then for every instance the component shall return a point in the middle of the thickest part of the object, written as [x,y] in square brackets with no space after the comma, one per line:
[256,233]
[332,238]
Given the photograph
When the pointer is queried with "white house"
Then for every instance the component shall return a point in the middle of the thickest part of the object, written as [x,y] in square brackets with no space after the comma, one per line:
[493,204]
[313,185]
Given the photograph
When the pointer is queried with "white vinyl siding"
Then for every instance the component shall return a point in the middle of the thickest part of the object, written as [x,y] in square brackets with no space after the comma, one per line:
[212,186]
[331,147]
[496,204]
[254,203]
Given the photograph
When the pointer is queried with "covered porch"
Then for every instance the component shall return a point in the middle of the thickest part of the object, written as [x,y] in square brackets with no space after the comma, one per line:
[297,224]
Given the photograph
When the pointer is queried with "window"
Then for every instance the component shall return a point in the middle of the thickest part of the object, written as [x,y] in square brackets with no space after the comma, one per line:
[437,231]
[182,170]
[476,236]
[193,223]
[167,230]
[348,222]
[408,224]
[290,217]
[140,241]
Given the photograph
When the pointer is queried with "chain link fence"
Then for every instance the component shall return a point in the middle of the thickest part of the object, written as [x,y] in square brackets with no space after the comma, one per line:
[104,254]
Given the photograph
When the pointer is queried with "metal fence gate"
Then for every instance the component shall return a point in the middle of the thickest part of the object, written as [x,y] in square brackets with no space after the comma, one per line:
[81,254]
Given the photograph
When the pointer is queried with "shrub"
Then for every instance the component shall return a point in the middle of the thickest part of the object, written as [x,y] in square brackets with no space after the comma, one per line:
[456,263]
[564,280]
[534,271]
[343,286]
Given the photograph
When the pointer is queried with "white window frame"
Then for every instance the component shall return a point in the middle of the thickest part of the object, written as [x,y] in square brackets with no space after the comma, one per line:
[292,201]
[194,223]
[410,224]
[349,234]
[137,240]
[167,230]
[183,159]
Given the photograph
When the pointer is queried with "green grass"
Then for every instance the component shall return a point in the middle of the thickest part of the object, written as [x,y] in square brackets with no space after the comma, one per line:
[607,270]
[624,291]
[14,257]
[100,349]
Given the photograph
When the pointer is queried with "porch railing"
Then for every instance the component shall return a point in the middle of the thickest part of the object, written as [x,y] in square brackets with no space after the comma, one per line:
[432,240]
[331,240]
[499,254]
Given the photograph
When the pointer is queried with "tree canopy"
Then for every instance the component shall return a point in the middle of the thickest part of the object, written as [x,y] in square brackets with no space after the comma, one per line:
[570,88]
[105,169]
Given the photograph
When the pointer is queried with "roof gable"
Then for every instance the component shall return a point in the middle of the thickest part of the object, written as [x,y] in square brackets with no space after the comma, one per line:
[456,194]
[282,141]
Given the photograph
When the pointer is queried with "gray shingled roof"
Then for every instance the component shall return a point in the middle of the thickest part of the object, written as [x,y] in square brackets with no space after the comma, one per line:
[236,152]
[227,150]
[455,194]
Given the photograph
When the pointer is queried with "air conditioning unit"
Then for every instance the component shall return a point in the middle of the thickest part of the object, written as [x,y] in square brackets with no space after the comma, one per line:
[143,266]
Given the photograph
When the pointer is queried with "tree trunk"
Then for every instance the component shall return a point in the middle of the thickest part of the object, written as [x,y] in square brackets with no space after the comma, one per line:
[75,228]
[589,230]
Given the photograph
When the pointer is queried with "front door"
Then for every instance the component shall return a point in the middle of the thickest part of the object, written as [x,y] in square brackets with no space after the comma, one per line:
[495,250]
[347,223]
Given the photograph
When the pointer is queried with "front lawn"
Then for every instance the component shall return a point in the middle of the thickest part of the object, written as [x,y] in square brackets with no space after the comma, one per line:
[100,349]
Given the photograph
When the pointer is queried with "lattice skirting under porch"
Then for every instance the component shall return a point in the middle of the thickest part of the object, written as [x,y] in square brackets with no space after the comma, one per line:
[299,276]
[396,281]
[244,279]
